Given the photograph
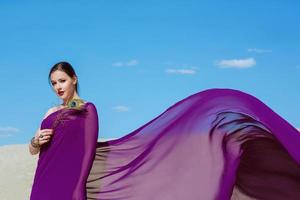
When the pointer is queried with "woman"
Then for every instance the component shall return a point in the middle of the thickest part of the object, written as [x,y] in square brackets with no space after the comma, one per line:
[217,144]
[66,154]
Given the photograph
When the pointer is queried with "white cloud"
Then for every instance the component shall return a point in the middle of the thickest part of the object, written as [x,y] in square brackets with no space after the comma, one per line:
[8,131]
[255,50]
[132,62]
[117,64]
[126,63]
[181,71]
[237,63]
[121,108]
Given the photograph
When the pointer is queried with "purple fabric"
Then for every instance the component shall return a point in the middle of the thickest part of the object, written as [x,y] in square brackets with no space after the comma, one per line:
[217,144]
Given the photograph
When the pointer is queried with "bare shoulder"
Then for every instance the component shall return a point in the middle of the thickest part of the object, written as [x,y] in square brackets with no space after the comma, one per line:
[51,110]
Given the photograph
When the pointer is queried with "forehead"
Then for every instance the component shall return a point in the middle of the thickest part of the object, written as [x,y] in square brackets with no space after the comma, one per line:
[58,75]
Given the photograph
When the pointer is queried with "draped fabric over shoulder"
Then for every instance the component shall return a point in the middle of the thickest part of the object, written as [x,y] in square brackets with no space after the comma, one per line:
[65,162]
[217,144]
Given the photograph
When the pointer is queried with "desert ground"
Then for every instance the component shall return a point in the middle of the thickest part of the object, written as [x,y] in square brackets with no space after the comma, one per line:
[17,172]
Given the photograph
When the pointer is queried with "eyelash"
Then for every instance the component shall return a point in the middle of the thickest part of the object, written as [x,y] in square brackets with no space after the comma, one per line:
[61,81]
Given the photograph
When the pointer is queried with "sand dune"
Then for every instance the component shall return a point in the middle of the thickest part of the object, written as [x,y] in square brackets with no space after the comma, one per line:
[16,172]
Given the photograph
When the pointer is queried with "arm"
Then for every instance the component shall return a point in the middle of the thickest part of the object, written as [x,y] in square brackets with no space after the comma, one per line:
[35,150]
[90,139]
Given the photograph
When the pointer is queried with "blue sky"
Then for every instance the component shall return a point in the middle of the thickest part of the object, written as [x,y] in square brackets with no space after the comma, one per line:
[134,59]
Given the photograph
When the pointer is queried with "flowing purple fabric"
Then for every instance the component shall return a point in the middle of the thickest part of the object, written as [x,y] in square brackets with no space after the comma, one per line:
[217,144]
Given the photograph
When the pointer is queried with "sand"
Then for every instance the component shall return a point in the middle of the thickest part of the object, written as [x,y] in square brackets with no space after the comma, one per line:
[17,172]
[17,168]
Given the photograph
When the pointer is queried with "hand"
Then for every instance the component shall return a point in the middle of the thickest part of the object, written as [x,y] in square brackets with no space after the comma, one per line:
[43,136]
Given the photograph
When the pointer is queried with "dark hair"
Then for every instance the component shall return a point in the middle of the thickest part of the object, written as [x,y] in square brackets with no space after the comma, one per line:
[65,67]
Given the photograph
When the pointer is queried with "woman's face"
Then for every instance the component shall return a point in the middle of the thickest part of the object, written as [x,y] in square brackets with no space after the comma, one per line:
[63,85]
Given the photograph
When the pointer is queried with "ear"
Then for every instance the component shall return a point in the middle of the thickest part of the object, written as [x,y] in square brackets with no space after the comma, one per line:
[74,80]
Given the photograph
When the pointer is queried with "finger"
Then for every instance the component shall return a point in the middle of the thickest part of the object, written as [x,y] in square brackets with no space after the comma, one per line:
[46,129]
[42,135]
[47,133]
[47,141]
[45,138]
[42,139]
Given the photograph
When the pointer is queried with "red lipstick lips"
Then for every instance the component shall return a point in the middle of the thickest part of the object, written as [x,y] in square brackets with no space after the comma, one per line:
[60,93]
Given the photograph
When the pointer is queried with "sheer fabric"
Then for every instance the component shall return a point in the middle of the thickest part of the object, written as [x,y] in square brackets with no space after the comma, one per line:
[65,162]
[217,144]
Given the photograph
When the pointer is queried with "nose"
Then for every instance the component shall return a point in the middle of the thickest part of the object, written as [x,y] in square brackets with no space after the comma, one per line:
[57,87]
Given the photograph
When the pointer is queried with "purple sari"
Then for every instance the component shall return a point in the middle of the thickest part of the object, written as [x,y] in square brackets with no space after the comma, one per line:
[217,144]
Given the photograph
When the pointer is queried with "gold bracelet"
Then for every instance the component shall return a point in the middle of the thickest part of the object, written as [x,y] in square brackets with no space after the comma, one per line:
[35,145]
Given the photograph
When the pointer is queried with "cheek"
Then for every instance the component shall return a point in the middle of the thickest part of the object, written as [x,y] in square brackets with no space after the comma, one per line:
[68,86]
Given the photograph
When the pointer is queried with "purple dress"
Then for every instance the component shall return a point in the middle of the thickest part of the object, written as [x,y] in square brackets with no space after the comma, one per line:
[217,144]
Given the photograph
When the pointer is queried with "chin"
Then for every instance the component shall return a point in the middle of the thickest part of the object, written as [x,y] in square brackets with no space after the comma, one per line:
[61,97]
